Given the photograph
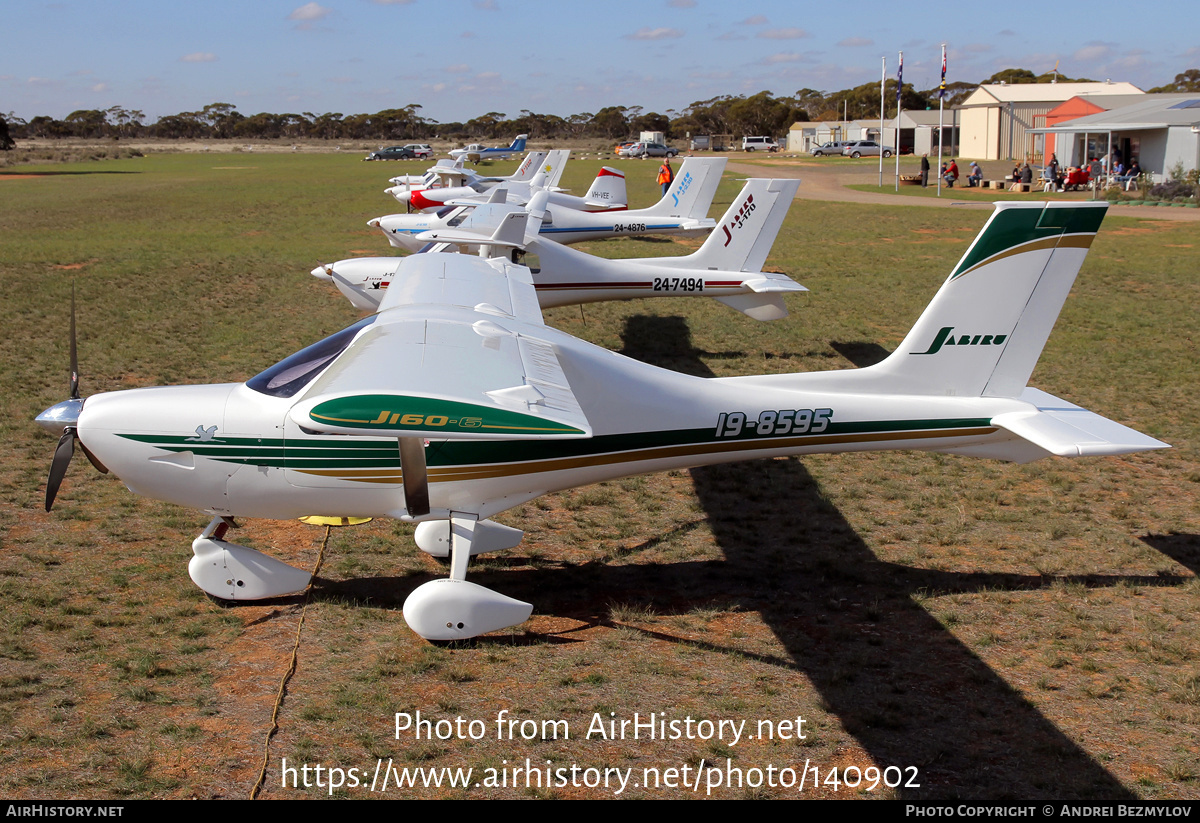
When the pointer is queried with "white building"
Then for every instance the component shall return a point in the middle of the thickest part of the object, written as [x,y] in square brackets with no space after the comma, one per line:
[995,119]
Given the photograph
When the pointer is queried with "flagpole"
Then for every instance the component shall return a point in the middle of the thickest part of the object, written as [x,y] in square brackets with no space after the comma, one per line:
[941,110]
[899,89]
[882,84]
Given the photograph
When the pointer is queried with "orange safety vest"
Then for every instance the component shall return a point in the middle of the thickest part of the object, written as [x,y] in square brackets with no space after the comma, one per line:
[665,175]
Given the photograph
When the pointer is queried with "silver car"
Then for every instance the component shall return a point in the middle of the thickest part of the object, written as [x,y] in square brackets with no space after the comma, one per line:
[866,148]
[648,150]
[829,149]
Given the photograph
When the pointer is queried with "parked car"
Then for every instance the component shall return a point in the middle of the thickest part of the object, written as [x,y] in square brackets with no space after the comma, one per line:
[420,150]
[829,149]
[759,144]
[644,150]
[620,147]
[392,153]
[866,148]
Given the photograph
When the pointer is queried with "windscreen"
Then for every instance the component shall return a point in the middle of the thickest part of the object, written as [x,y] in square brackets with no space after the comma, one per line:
[293,373]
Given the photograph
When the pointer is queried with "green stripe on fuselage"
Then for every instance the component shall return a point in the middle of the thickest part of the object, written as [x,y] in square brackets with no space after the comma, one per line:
[348,453]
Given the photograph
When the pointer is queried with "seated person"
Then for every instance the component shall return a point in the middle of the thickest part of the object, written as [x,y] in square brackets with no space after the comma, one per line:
[976,175]
[951,174]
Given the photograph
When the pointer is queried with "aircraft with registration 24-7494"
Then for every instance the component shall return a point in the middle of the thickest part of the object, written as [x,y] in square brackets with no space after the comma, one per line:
[455,402]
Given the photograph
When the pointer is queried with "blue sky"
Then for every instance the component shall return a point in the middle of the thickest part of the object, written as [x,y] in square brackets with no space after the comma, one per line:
[461,58]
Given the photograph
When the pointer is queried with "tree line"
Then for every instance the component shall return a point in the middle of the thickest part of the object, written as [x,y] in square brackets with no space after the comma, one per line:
[761,113]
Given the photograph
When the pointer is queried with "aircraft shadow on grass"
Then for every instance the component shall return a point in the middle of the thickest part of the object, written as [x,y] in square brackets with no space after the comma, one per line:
[907,690]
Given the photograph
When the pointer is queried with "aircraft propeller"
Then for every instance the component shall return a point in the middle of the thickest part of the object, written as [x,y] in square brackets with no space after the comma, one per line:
[64,417]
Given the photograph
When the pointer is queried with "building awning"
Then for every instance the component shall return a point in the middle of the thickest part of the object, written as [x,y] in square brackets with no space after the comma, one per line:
[1095,128]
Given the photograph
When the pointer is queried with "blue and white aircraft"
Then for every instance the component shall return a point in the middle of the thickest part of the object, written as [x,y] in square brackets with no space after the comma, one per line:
[476,152]
[683,210]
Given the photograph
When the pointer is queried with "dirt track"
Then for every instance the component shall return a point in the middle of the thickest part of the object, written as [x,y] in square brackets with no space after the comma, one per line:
[830,182]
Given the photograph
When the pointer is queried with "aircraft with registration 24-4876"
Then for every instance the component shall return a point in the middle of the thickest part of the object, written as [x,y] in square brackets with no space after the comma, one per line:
[682,211]
[455,402]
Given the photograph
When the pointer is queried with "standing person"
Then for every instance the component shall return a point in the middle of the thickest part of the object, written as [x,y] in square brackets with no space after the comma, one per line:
[665,175]
[925,171]
[1053,168]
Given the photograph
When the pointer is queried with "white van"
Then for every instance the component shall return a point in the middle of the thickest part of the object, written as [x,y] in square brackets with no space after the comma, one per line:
[759,144]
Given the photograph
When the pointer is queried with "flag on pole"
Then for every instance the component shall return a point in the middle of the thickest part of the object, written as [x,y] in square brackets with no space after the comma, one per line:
[942,87]
[899,80]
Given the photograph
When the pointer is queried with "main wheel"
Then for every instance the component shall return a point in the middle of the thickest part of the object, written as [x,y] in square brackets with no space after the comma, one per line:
[856,155]
[887,154]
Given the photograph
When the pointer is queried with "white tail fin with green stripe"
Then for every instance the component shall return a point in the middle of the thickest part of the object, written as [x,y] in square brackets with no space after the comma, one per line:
[982,334]
[987,325]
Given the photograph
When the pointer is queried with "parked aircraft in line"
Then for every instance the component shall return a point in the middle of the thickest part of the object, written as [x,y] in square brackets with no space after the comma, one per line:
[607,191]
[431,177]
[727,267]
[456,182]
[683,210]
[455,402]
[476,152]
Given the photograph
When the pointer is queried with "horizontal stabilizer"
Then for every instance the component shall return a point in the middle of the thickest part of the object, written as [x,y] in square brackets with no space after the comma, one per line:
[771,282]
[1066,430]
[757,306]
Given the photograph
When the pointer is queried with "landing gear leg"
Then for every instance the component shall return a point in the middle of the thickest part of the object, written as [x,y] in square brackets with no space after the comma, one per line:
[233,572]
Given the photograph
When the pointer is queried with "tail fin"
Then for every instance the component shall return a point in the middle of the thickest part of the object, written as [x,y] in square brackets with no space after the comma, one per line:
[985,328]
[744,236]
[608,189]
[693,190]
[519,143]
[529,167]
[554,165]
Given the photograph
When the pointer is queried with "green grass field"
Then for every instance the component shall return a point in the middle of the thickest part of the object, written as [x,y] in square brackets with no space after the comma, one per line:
[1024,632]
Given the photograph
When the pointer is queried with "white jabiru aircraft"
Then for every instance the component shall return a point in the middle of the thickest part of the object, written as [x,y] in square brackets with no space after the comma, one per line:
[476,151]
[431,177]
[683,210]
[455,402]
[727,267]
[457,183]
[607,192]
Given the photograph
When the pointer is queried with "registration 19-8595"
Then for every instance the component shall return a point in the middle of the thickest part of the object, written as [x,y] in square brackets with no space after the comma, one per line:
[774,422]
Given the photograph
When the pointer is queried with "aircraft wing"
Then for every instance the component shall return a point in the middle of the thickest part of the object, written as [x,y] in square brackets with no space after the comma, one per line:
[454,353]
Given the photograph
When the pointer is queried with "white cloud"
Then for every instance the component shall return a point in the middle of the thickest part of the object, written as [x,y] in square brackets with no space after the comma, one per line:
[457,68]
[309,12]
[199,57]
[856,42]
[682,4]
[100,87]
[646,33]
[1094,51]
[392,2]
[786,57]
[485,5]
[755,20]
[782,34]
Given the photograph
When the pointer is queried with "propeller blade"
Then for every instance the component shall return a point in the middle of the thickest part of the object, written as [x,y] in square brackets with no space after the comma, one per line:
[74,354]
[96,464]
[58,467]
[345,285]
